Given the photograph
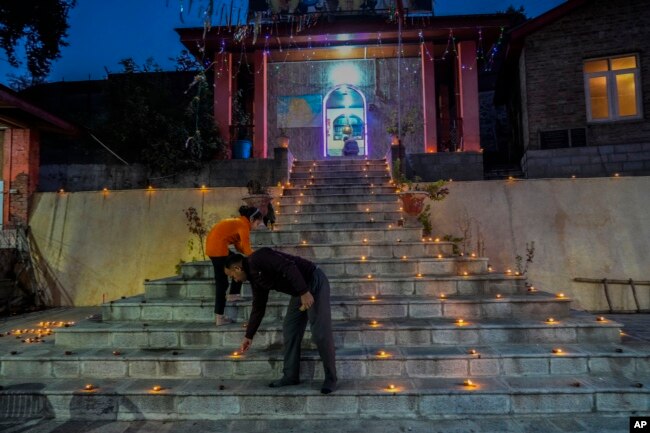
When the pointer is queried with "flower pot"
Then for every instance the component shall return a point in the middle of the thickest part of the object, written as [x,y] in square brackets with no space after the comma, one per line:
[260,201]
[283,142]
[241,149]
[413,201]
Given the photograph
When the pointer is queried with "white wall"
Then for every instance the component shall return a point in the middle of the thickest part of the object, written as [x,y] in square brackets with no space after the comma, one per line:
[91,244]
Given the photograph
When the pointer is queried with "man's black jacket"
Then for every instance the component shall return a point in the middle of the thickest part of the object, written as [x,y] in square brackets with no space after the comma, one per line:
[268,270]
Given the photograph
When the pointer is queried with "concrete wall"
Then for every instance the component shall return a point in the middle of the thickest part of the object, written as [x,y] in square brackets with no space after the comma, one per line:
[445,165]
[91,244]
[231,172]
[592,161]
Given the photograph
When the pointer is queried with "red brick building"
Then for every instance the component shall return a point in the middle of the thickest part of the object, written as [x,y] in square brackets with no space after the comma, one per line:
[581,93]
[20,126]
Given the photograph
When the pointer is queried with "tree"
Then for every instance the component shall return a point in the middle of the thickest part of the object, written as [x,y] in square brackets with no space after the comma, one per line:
[42,25]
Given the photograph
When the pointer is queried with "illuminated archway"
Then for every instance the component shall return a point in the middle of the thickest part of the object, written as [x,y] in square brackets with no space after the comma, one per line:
[344,106]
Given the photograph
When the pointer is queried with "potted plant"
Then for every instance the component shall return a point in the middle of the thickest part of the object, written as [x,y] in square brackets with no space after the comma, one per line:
[283,138]
[258,196]
[241,128]
[398,130]
[412,194]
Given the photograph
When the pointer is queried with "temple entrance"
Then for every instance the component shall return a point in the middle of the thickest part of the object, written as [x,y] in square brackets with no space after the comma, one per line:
[344,117]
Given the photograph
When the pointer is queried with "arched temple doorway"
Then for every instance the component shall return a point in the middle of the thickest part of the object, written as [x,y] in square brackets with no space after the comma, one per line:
[344,115]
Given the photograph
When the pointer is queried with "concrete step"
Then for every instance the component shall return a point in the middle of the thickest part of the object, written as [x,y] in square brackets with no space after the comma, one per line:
[339,197]
[347,334]
[334,217]
[329,190]
[356,363]
[326,168]
[368,250]
[350,164]
[373,268]
[180,288]
[366,179]
[336,236]
[426,398]
[352,175]
[380,206]
[293,224]
[138,308]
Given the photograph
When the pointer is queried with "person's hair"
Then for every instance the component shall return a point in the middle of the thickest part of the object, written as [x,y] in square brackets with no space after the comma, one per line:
[250,212]
[233,259]
[345,137]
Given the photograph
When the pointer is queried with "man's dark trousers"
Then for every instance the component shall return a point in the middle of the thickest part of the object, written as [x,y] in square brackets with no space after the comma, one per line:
[320,321]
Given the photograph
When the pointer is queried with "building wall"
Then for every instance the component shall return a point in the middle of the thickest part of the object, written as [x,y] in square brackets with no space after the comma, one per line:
[553,69]
[91,245]
[378,83]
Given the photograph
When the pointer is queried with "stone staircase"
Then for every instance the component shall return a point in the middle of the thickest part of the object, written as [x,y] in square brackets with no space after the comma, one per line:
[402,351]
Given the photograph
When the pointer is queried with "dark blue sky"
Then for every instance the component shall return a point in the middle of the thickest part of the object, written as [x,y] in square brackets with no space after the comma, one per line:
[103,32]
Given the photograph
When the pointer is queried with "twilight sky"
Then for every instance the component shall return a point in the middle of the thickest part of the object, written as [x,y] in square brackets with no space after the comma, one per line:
[103,32]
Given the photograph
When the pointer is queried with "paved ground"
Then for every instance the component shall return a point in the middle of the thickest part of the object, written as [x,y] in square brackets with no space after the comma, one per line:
[546,424]
[637,327]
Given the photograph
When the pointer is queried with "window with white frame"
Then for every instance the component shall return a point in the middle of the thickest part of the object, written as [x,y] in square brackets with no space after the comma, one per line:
[613,88]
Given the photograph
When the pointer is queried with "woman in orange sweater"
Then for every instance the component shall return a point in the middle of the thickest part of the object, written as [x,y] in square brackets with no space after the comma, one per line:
[236,232]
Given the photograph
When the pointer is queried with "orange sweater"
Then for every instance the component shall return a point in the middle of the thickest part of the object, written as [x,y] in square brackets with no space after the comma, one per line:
[230,231]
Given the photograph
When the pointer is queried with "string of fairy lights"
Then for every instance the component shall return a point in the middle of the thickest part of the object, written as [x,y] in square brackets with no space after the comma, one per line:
[292,52]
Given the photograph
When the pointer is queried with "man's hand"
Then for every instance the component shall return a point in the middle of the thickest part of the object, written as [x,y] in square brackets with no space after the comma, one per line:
[307,301]
[245,345]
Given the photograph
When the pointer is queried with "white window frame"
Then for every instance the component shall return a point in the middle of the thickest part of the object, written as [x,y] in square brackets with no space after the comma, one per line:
[612,91]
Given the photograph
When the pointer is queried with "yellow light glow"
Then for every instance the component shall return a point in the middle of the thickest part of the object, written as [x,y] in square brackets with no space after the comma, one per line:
[560,295]
[369,276]
[550,320]
[374,324]
[235,355]
[439,256]
[600,319]
[469,383]
[419,275]
[363,258]
[373,298]
[404,257]
[89,387]
[557,351]
[498,296]
[383,354]
[460,322]
[156,388]
[365,241]
[61,191]
[472,352]
[508,271]
[465,273]
[442,296]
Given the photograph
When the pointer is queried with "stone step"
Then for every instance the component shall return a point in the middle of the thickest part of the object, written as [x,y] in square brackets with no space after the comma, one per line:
[347,334]
[337,236]
[349,225]
[368,250]
[427,398]
[333,217]
[347,308]
[352,175]
[288,209]
[366,179]
[350,164]
[373,268]
[327,168]
[329,190]
[179,288]
[339,197]
[357,363]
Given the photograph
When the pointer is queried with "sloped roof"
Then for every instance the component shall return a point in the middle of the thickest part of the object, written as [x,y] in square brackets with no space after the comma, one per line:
[16,112]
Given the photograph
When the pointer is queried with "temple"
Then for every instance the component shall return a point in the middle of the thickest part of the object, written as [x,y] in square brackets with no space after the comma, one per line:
[319,77]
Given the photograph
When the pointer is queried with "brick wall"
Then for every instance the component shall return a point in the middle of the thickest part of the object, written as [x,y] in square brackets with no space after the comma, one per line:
[553,60]
[20,173]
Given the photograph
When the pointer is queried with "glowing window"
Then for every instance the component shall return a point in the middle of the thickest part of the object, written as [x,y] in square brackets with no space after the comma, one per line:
[612,88]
